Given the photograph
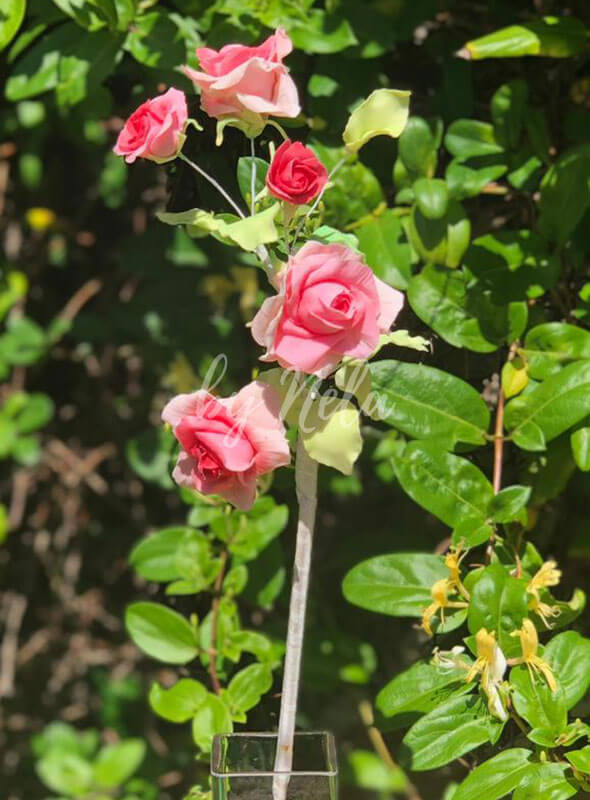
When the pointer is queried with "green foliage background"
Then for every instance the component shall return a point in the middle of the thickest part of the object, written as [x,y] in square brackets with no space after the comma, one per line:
[106,312]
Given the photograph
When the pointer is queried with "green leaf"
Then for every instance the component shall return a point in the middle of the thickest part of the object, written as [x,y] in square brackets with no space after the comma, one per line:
[372,773]
[497,777]
[244,175]
[149,455]
[432,197]
[560,402]
[536,703]
[427,403]
[161,632]
[581,448]
[23,343]
[383,113]
[116,763]
[248,233]
[383,243]
[556,37]
[328,235]
[66,773]
[322,32]
[443,240]
[211,718]
[36,411]
[420,688]
[550,346]
[468,178]
[397,585]
[466,138]
[568,655]
[154,558]
[546,781]
[418,147]
[331,433]
[449,731]
[508,503]
[462,311]
[247,687]
[508,106]
[11,17]
[156,41]
[180,702]
[448,486]
[580,759]
[499,603]
[565,194]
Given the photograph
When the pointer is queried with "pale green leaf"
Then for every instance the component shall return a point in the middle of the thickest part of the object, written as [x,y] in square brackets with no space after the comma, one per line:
[384,112]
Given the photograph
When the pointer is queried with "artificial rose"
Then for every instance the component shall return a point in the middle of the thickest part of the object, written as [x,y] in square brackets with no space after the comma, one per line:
[296,175]
[329,305]
[155,130]
[228,442]
[240,81]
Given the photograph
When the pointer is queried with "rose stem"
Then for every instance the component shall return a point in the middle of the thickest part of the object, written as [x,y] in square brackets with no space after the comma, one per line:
[306,471]
[316,203]
[253,178]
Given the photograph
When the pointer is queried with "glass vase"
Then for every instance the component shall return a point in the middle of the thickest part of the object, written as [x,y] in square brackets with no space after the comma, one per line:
[242,767]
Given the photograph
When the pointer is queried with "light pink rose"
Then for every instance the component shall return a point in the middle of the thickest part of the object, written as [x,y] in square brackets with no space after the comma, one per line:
[329,305]
[228,442]
[155,130]
[239,80]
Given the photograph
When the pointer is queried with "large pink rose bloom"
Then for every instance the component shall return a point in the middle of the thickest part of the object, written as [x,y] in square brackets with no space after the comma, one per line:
[329,305]
[238,80]
[227,443]
[155,130]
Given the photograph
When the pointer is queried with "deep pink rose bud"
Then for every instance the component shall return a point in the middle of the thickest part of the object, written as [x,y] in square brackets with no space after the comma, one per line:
[227,443]
[329,305]
[155,130]
[296,174]
[239,81]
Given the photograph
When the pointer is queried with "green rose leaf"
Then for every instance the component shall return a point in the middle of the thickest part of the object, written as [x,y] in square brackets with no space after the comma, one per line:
[212,717]
[498,603]
[568,655]
[454,728]
[384,112]
[247,687]
[421,688]
[397,585]
[248,233]
[536,703]
[497,777]
[331,433]
[154,558]
[448,486]
[581,448]
[560,402]
[180,702]
[427,403]
[508,504]
[161,632]
[115,763]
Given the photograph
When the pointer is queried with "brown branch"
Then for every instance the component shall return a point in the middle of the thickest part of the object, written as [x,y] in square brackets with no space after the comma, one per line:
[79,299]
[17,604]
[214,615]
[499,442]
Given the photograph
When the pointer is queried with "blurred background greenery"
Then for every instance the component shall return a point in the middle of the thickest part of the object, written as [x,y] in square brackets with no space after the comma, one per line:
[106,312]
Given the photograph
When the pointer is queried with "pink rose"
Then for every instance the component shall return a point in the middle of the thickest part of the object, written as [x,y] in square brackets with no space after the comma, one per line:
[227,443]
[329,305]
[296,175]
[155,130]
[239,80]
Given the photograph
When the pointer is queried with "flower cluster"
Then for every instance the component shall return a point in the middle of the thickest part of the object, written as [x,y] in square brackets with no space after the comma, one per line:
[328,305]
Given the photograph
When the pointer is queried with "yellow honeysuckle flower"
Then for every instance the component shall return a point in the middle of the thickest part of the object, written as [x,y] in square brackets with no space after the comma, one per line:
[453,561]
[450,659]
[547,575]
[440,600]
[544,610]
[529,642]
[490,664]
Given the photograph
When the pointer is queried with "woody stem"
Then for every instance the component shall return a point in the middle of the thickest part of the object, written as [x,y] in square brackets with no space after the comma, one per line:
[306,470]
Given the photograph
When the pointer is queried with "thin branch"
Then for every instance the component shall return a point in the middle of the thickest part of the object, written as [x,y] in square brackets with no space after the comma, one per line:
[214,617]
[499,442]
[306,475]
[16,607]
[79,299]
[253,178]
[214,183]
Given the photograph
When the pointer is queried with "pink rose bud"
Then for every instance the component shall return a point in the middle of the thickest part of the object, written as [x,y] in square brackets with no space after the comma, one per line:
[296,174]
[228,442]
[329,305]
[237,80]
[155,130]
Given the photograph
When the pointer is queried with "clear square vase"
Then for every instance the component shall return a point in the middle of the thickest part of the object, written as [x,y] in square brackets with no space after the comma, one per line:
[242,767]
